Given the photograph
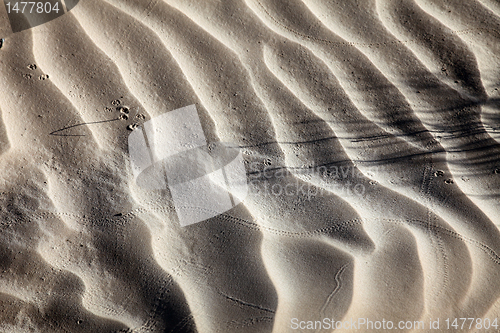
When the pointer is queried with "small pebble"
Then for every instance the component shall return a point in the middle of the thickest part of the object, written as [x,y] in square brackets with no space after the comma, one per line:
[132,127]
[449,181]
[116,102]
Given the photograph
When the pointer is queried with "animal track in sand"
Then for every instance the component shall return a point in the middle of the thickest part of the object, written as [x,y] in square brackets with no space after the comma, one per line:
[123,109]
[433,268]
[439,173]
[132,127]
[283,25]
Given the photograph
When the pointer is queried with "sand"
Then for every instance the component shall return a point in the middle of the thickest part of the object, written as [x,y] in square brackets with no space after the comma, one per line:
[370,134]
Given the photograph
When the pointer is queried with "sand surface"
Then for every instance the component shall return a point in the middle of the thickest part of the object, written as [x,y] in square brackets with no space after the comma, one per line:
[370,133]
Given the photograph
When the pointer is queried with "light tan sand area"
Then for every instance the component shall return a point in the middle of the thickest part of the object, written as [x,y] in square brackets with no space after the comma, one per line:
[369,139]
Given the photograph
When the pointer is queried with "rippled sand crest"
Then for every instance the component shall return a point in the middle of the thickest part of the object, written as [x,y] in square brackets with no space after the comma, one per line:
[370,131]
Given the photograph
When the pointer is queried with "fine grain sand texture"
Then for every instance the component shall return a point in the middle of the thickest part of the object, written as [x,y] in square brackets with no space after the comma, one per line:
[370,133]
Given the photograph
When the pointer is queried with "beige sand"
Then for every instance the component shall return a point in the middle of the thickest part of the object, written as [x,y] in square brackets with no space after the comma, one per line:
[386,112]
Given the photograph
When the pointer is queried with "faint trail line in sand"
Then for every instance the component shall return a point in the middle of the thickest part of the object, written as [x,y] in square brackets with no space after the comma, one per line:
[249,321]
[145,12]
[425,188]
[334,291]
[337,227]
[239,301]
[485,248]
[445,265]
[458,32]
[149,7]
[436,238]
[81,124]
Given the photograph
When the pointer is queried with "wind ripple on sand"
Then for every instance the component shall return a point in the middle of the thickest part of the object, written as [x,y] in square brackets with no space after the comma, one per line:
[399,98]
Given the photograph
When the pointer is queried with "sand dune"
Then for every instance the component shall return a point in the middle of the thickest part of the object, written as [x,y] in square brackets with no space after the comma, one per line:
[371,139]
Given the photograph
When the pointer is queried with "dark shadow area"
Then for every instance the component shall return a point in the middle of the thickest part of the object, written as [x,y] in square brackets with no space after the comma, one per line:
[25,15]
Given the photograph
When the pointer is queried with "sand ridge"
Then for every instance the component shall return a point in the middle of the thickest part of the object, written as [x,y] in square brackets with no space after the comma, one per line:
[394,98]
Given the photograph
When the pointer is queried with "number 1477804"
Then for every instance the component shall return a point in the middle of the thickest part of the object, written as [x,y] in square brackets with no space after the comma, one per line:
[32,7]
[470,323]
